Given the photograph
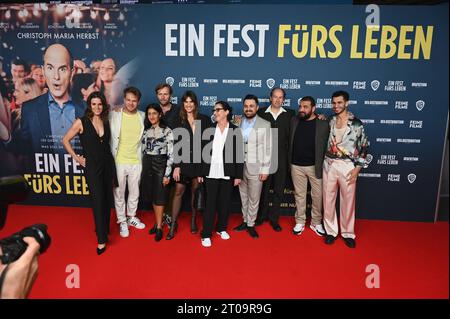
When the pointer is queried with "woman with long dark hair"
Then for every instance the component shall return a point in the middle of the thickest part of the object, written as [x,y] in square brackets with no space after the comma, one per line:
[188,166]
[97,161]
[157,163]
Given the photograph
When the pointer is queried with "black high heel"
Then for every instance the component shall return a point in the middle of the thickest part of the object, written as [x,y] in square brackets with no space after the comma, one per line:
[101,250]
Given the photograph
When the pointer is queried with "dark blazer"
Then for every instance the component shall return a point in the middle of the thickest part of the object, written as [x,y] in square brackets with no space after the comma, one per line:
[322,133]
[235,157]
[282,123]
[35,122]
[189,169]
[172,117]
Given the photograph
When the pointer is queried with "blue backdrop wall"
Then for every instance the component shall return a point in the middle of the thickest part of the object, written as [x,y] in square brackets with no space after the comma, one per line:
[396,72]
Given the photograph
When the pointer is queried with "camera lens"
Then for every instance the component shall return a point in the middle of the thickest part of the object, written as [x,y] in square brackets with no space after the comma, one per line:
[41,235]
[14,246]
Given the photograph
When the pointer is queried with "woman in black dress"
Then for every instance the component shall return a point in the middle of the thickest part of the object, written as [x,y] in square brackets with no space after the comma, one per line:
[157,163]
[97,161]
[188,166]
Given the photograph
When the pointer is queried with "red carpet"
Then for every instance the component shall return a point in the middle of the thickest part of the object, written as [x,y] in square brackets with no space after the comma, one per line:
[413,259]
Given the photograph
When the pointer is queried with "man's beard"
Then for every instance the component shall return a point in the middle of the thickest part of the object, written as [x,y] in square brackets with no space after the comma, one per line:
[341,111]
[249,117]
[304,116]
[165,105]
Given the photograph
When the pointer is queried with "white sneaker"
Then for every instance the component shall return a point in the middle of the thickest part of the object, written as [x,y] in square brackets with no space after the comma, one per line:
[224,235]
[135,222]
[206,242]
[298,229]
[124,230]
[318,229]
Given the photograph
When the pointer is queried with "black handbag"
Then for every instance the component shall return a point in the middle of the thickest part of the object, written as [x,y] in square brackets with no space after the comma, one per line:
[200,197]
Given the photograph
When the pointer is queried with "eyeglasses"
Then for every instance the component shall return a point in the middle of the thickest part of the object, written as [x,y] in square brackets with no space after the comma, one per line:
[218,109]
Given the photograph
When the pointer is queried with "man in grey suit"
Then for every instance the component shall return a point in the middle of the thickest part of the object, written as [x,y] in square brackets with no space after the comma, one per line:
[308,142]
[257,152]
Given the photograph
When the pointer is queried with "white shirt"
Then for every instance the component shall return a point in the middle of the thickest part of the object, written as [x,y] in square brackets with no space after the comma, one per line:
[275,116]
[216,169]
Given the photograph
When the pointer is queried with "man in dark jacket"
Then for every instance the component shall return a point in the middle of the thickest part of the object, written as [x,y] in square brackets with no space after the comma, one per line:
[280,120]
[308,141]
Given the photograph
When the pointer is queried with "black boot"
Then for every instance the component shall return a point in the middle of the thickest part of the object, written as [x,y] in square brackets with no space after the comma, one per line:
[172,230]
[159,234]
[194,228]
[152,230]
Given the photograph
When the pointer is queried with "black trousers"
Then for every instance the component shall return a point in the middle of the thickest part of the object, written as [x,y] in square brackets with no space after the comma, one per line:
[277,182]
[100,190]
[218,197]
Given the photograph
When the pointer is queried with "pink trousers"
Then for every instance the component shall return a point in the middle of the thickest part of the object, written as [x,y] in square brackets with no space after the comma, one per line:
[335,177]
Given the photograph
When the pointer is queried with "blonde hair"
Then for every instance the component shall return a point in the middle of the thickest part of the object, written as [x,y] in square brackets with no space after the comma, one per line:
[29,85]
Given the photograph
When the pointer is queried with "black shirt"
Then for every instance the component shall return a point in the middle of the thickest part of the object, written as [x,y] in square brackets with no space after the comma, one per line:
[304,145]
[282,124]
[190,168]
[172,117]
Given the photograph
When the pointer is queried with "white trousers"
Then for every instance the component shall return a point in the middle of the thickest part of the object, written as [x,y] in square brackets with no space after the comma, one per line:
[127,174]
[334,178]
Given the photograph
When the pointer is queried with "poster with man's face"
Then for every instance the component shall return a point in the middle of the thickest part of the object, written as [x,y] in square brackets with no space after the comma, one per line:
[43,103]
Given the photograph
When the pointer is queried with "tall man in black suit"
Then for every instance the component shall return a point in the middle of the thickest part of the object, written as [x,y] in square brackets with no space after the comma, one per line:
[280,119]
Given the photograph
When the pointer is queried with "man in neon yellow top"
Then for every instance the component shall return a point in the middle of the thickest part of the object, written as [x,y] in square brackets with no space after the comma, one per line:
[127,126]
[128,140]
